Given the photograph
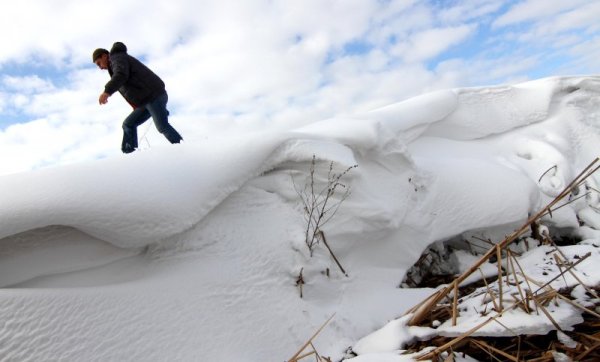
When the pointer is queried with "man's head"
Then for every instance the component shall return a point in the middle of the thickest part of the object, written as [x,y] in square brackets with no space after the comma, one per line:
[100,57]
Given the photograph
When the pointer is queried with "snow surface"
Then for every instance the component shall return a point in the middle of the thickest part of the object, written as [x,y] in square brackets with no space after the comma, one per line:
[192,252]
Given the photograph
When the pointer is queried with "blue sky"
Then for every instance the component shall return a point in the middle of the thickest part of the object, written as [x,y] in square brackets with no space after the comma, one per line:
[234,67]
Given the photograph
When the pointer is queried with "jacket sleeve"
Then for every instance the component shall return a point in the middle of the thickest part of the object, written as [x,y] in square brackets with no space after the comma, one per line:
[120,68]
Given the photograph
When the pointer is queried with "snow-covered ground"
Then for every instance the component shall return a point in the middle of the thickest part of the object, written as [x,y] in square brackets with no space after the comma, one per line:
[192,252]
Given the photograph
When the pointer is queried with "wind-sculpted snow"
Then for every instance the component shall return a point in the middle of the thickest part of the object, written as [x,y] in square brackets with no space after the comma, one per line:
[155,194]
[152,195]
[134,201]
[401,122]
[205,239]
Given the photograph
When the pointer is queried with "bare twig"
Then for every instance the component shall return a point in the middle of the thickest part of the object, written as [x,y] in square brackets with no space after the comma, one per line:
[545,311]
[487,241]
[581,356]
[490,292]
[455,305]
[322,236]
[309,342]
[576,305]
[570,201]
[525,276]
[557,260]
[499,257]
[300,282]
[317,203]
[517,283]
[487,348]
[460,338]
[544,174]
[562,272]
[588,289]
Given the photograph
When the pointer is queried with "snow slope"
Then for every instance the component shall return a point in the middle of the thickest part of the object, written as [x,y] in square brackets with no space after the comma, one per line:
[192,252]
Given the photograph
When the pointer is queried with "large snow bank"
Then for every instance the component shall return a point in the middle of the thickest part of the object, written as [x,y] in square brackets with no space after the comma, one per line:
[192,251]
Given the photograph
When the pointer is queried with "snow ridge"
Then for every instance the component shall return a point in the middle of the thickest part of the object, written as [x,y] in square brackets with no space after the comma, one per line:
[181,244]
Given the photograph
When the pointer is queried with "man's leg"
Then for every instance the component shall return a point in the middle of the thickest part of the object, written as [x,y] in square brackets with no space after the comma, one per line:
[135,118]
[160,114]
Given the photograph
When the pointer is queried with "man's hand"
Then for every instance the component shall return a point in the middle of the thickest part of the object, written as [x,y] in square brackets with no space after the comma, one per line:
[103,98]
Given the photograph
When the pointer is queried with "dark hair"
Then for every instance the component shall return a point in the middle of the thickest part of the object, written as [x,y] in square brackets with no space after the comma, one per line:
[98,53]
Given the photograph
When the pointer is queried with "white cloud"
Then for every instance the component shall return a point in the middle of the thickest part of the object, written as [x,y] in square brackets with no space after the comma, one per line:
[586,54]
[467,10]
[27,84]
[508,69]
[431,43]
[531,10]
[583,17]
[575,23]
[234,66]
[554,31]
[399,25]
[3,101]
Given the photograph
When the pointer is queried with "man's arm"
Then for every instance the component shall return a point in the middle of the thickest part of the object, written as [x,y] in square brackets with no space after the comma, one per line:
[120,73]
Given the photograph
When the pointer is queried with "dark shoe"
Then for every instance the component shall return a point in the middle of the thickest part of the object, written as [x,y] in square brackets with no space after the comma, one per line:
[127,148]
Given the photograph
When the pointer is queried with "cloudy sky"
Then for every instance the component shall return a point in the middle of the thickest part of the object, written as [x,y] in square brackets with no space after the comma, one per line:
[238,66]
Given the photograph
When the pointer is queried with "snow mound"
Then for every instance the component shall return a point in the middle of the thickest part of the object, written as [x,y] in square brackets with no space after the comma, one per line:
[174,252]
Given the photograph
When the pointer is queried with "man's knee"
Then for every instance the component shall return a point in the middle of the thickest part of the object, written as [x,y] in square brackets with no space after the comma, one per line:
[161,127]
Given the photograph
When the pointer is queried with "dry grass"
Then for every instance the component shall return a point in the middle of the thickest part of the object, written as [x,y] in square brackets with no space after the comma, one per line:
[308,349]
[517,348]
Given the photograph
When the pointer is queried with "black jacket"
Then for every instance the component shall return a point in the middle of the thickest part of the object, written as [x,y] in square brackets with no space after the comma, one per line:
[135,81]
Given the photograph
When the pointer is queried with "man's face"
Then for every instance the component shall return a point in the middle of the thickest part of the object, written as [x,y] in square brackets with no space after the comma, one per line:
[102,62]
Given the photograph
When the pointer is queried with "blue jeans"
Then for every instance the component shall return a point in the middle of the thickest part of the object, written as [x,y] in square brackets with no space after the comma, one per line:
[157,109]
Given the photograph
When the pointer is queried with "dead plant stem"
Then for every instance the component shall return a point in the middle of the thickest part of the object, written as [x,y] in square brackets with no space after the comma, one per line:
[439,295]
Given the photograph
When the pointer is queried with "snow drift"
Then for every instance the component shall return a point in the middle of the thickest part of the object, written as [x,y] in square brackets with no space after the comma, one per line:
[192,252]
